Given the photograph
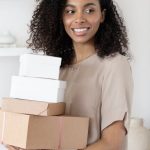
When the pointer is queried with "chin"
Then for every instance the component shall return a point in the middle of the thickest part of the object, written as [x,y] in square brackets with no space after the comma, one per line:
[81,40]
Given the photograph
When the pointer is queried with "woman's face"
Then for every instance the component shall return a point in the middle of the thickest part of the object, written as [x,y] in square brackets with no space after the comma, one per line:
[81,19]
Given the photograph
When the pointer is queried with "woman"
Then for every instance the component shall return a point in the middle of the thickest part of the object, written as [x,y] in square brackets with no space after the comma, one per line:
[91,39]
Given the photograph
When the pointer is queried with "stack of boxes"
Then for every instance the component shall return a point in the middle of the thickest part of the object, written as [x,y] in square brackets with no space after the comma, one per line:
[33,116]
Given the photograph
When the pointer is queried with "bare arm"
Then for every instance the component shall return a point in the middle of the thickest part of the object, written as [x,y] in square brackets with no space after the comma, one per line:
[112,138]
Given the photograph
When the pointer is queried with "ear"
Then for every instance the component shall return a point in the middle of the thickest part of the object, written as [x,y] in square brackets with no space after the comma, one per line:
[103,15]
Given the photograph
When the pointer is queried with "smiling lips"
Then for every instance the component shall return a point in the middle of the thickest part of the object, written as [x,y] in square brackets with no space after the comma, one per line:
[80,31]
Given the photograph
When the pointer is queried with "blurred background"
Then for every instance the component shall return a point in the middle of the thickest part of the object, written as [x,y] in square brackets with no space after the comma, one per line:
[15,16]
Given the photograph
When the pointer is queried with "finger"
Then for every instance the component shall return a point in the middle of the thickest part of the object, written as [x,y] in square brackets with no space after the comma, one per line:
[9,147]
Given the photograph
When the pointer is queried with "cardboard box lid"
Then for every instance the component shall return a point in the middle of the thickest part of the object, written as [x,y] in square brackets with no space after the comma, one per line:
[38,58]
[33,107]
[41,66]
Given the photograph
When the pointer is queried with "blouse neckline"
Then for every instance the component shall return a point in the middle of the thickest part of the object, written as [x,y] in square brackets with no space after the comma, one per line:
[86,60]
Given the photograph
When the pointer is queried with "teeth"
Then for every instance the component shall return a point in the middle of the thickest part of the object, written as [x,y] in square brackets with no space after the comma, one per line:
[80,30]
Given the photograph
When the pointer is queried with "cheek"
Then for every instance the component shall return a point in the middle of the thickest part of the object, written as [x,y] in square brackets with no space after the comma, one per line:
[67,22]
[67,25]
[96,22]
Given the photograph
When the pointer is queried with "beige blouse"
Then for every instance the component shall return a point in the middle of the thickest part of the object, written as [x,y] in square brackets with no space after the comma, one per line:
[101,89]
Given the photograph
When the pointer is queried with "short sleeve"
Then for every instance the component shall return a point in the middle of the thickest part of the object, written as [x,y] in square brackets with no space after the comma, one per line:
[117,89]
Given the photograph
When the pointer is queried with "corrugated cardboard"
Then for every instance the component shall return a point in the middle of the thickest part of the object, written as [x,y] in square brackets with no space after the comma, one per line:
[39,89]
[52,132]
[33,107]
[33,65]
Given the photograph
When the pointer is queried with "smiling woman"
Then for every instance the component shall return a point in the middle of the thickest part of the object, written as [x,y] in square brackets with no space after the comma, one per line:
[91,39]
[81,22]
[48,33]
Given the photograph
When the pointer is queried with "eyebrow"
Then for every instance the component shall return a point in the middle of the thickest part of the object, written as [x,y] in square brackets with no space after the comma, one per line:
[86,5]
[89,4]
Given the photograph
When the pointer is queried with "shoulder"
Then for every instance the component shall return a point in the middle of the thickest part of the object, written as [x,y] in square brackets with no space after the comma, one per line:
[117,72]
[116,59]
[116,62]
[116,67]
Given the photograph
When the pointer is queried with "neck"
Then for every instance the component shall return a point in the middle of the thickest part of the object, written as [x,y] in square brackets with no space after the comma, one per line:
[83,50]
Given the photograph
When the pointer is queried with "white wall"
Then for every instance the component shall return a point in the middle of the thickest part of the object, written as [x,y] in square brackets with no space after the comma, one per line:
[15,15]
[9,66]
[137,17]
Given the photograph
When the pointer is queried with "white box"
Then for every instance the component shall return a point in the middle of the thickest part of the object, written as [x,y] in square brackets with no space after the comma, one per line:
[38,89]
[33,65]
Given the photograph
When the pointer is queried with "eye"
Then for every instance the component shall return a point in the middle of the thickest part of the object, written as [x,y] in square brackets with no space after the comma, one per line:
[69,11]
[89,11]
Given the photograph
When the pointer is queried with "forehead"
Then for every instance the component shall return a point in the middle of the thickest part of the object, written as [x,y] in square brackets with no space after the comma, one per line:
[82,2]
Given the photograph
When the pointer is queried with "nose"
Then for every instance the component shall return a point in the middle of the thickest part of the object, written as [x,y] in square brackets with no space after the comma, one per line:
[80,18]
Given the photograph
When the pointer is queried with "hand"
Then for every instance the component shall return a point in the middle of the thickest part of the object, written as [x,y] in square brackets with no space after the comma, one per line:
[9,147]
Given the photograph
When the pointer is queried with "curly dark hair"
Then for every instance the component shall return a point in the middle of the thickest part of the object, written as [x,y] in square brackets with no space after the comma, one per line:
[47,31]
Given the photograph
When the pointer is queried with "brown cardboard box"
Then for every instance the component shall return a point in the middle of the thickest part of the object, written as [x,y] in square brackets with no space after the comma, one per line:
[33,107]
[48,132]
